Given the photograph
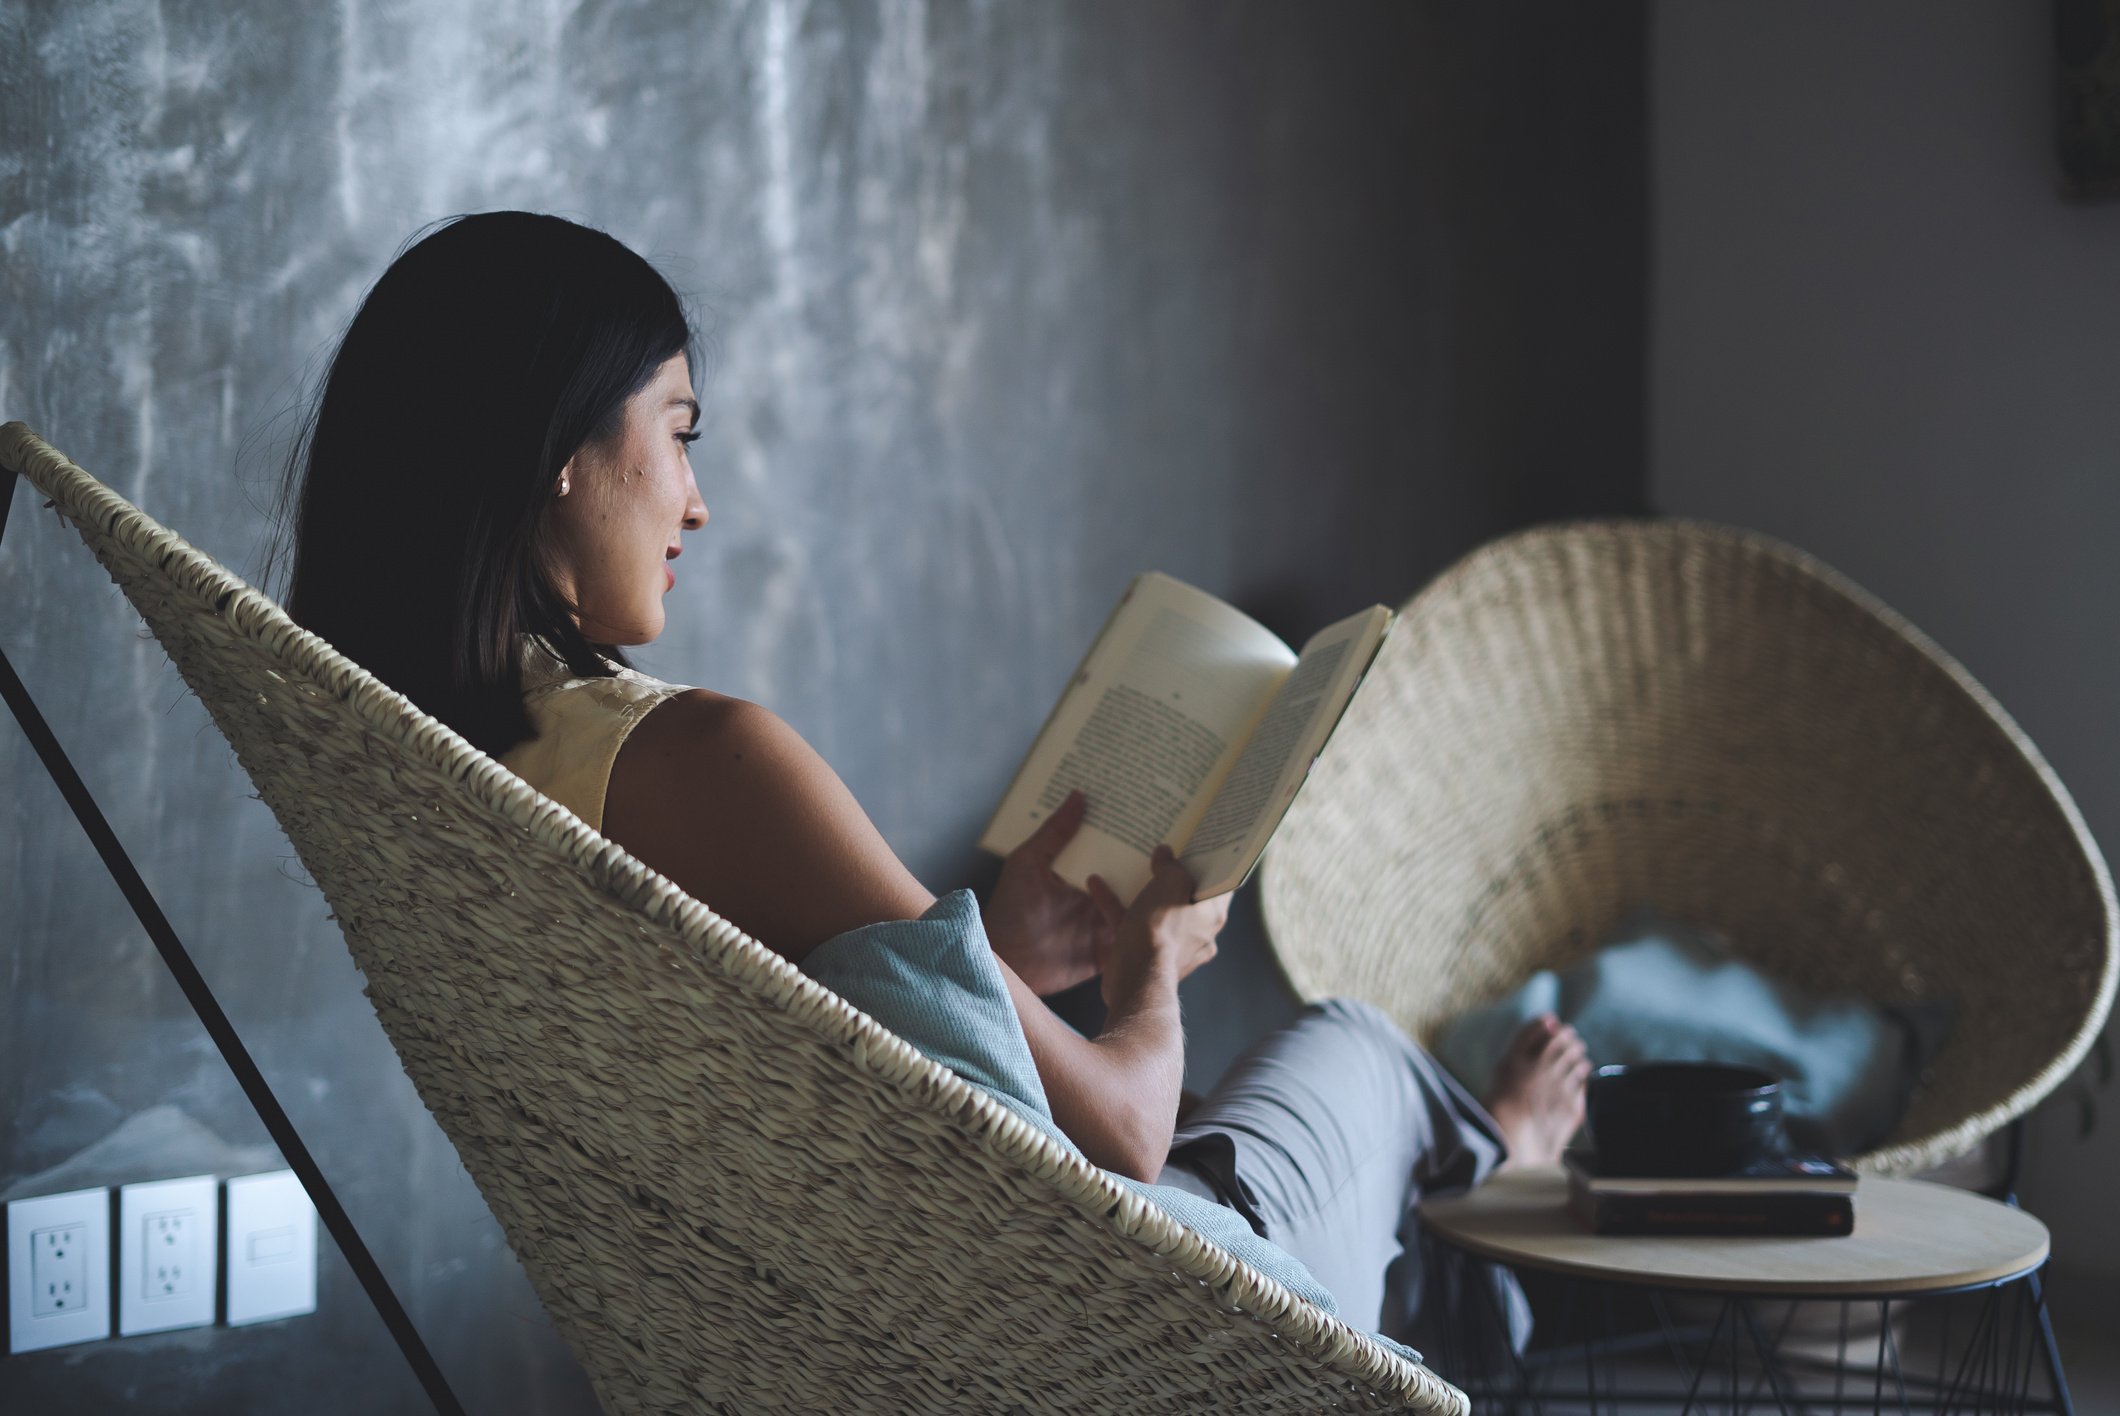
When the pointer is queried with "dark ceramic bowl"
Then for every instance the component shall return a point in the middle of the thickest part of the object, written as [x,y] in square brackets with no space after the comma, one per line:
[1683,1118]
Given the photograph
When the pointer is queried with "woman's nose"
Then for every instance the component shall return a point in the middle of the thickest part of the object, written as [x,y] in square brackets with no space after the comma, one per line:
[695,510]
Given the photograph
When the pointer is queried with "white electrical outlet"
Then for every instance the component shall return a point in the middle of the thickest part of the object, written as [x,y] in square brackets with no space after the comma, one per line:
[58,1270]
[272,1248]
[168,1242]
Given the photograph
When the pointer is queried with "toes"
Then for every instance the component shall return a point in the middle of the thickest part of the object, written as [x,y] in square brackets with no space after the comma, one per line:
[1547,1047]
[1532,1038]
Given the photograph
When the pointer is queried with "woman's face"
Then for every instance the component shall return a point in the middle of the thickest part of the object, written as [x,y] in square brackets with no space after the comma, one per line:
[615,529]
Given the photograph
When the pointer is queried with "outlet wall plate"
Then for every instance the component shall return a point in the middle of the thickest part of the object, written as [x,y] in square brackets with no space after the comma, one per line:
[58,1270]
[168,1254]
[272,1248]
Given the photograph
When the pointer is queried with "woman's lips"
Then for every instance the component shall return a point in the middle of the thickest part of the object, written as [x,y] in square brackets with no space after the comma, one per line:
[669,577]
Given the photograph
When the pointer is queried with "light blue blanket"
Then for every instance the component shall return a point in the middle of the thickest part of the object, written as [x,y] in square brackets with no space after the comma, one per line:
[1661,991]
[935,982]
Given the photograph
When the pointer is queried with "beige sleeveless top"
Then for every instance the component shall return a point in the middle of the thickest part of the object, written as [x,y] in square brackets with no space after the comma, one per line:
[581,723]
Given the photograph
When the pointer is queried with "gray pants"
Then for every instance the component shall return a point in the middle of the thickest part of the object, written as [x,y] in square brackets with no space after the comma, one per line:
[1325,1136]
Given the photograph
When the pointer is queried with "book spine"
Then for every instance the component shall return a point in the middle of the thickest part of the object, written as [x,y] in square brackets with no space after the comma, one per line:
[1716,1214]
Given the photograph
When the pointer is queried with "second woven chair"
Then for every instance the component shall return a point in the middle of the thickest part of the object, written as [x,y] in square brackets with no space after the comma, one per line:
[1583,719]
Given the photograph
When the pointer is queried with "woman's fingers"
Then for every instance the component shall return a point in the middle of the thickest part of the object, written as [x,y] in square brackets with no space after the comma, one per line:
[1169,882]
[1043,846]
[1107,902]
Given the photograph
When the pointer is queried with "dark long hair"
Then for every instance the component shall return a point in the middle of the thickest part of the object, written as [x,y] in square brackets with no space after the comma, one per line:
[491,351]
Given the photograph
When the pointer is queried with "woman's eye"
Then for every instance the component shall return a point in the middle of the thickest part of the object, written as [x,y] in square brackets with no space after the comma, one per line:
[688,438]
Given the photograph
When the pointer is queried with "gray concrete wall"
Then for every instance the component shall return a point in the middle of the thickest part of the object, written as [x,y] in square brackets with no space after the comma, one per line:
[1010,301]
[1878,333]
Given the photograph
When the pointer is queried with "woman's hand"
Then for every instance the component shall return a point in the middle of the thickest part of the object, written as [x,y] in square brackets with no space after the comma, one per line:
[1117,1094]
[1050,933]
[1162,937]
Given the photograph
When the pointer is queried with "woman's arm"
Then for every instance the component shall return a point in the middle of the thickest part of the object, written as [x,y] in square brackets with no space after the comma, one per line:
[730,803]
[1117,1094]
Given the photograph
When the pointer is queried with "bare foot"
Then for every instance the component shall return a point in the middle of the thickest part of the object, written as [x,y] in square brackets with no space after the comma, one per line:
[1537,1093]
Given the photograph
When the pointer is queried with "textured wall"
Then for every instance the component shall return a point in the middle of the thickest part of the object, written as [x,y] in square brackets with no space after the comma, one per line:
[1009,301]
[1880,334]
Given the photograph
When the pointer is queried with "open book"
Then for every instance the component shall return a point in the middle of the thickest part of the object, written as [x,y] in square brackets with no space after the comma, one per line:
[1188,723]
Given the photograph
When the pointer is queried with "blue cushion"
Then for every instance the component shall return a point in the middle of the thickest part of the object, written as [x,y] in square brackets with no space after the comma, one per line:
[1661,991]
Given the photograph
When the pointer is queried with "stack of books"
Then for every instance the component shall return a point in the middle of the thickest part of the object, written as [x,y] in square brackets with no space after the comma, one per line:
[1791,1194]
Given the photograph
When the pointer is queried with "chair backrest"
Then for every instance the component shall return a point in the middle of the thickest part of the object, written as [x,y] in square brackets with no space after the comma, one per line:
[1585,718]
[731,1189]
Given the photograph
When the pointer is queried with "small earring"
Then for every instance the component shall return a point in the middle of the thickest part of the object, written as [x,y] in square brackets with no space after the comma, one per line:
[563,486]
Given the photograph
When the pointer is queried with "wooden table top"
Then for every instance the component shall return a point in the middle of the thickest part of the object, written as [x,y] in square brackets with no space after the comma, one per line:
[1910,1237]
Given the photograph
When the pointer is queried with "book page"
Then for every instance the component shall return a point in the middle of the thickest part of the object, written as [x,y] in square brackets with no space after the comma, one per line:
[1151,721]
[1263,783]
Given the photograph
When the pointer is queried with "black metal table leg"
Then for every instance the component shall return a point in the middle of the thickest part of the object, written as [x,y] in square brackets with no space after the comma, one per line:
[2036,1292]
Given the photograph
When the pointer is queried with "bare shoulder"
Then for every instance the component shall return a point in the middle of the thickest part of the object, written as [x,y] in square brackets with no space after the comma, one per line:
[733,805]
[700,731]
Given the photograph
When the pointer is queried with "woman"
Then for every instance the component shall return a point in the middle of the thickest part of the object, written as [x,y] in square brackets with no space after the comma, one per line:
[494,482]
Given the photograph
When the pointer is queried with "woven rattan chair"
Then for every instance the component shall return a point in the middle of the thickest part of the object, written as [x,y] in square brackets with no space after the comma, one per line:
[1580,719]
[731,1190]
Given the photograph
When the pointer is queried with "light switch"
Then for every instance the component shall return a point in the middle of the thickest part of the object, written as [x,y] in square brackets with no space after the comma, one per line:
[272,1248]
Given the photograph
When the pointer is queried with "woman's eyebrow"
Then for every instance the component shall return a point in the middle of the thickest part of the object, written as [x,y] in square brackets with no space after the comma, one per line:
[688,403]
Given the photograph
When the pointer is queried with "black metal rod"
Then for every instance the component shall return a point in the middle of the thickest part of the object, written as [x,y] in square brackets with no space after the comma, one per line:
[2036,1291]
[217,1025]
[2004,1186]
[1770,1368]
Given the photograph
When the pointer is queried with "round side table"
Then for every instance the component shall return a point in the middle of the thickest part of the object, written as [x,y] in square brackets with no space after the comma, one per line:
[1912,1241]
